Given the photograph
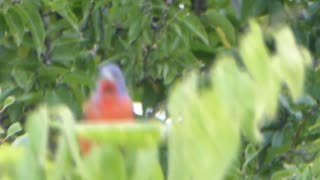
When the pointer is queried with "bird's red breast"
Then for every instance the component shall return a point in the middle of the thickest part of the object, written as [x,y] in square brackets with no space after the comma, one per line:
[110,103]
[107,105]
[109,109]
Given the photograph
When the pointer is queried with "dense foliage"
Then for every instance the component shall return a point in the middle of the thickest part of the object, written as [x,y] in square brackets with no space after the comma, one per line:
[50,50]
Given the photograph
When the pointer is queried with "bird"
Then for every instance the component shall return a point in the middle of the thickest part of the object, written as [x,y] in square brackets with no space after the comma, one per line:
[109,103]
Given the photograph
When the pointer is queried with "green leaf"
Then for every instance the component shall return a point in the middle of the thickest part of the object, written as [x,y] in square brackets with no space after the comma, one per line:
[51,73]
[262,69]
[7,102]
[136,28]
[65,55]
[66,49]
[177,30]
[306,101]
[67,39]
[96,24]
[24,79]
[3,27]
[316,166]
[31,16]
[273,152]
[63,164]
[63,8]
[221,23]
[112,161]
[78,78]
[187,152]
[57,27]
[219,3]
[251,154]
[315,128]
[124,134]
[284,174]
[10,157]
[292,61]
[29,98]
[259,7]
[13,129]
[147,165]
[21,141]
[36,150]
[86,5]
[109,34]
[2,132]
[37,128]
[69,147]
[256,61]
[247,9]
[277,139]
[15,24]
[238,99]
[194,24]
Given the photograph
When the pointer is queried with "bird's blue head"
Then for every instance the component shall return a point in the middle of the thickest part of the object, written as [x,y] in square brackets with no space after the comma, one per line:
[111,81]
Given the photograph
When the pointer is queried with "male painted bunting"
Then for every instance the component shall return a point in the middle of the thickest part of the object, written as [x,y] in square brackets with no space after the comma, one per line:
[110,102]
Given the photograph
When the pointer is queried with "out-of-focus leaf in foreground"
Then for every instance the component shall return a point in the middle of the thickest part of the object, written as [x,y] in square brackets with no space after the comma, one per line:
[205,136]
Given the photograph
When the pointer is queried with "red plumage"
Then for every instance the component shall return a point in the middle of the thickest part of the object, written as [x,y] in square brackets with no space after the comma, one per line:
[110,103]
[108,106]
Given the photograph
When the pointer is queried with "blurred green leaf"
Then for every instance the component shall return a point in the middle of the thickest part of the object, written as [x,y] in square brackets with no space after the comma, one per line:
[136,28]
[10,158]
[7,102]
[24,79]
[147,166]
[188,151]
[50,73]
[69,148]
[13,129]
[78,78]
[15,24]
[37,128]
[3,27]
[250,154]
[221,23]
[110,158]
[30,97]
[21,141]
[236,100]
[124,134]
[96,24]
[292,60]
[2,132]
[63,8]
[36,157]
[86,5]
[65,41]
[31,16]
[284,174]
[277,139]
[64,54]
[194,25]
[220,3]
[306,101]
[260,69]
[315,128]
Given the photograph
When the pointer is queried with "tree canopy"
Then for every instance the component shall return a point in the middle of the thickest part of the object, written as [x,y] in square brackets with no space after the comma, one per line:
[237,80]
